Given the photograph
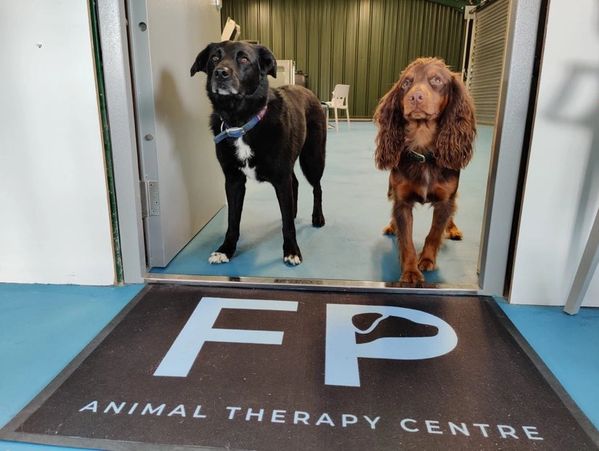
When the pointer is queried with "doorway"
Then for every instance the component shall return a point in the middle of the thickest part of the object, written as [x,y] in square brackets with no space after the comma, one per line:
[350,249]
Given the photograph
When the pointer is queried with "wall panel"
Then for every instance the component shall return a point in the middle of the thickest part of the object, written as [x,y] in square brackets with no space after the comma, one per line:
[55,211]
[486,62]
[363,43]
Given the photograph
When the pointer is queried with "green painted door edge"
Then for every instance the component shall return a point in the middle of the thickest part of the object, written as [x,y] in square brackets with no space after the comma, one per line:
[114,218]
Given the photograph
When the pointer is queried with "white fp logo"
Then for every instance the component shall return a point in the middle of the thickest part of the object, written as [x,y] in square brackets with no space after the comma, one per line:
[341,350]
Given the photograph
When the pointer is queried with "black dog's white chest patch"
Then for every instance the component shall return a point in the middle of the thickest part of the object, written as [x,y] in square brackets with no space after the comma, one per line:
[244,154]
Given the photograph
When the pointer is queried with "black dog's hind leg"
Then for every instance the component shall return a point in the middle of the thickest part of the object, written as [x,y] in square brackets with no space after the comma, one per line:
[295,185]
[312,162]
[235,189]
[284,190]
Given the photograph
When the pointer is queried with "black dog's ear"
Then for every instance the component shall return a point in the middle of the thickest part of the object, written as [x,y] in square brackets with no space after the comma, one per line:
[201,62]
[267,61]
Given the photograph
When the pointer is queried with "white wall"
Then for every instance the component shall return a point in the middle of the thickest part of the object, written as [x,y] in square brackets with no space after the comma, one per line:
[55,223]
[561,193]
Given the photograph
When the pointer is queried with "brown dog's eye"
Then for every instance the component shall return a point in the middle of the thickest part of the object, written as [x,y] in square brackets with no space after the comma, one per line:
[406,84]
[436,81]
[243,60]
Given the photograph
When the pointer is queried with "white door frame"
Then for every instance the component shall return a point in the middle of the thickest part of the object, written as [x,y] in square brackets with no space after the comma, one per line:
[121,117]
[509,144]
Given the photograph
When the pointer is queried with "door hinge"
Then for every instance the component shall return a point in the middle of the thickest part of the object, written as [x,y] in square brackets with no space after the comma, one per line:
[150,199]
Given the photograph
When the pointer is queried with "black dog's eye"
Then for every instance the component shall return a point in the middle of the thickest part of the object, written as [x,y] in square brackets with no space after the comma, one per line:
[406,84]
[215,58]
[243,60]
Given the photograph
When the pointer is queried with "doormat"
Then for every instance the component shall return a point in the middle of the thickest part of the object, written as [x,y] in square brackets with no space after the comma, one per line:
[231,368]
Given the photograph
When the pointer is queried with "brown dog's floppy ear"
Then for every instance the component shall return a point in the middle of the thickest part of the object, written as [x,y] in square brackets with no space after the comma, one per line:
[267,61]
[457,128]
[390,139]
[201,62]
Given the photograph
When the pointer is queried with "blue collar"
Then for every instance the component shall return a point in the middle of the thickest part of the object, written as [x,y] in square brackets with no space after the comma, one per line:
[238,132]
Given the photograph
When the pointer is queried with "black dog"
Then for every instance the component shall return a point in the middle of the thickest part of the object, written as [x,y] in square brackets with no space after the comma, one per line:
[259,133]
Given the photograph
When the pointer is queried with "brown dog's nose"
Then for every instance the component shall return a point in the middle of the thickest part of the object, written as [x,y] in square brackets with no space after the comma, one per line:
[222,73]
[417,97]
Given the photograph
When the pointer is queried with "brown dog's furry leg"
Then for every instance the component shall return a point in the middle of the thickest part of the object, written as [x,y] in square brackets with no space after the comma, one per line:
[402,214]
[452,232]
[441,216]
[390,228]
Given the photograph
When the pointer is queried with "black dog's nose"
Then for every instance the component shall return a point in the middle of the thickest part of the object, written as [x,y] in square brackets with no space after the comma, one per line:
[222,73]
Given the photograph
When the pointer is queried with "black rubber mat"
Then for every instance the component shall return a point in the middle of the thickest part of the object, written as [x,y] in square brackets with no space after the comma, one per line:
[303,370]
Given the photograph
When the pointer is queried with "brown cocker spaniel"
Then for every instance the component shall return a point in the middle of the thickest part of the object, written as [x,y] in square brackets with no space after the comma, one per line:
[426,128]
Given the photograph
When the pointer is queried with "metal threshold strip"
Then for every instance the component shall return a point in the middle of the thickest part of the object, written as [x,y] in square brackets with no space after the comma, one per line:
[311,284]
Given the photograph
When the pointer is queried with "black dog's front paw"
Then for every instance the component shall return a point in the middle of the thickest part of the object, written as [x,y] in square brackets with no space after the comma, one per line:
[222,255]
[292,255]
[292,260]
[218,258]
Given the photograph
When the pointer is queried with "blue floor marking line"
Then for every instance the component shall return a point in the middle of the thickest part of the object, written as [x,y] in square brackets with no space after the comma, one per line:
[350,246]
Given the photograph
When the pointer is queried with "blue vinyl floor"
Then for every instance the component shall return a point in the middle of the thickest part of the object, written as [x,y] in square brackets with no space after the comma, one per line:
[43,327]
[350,246]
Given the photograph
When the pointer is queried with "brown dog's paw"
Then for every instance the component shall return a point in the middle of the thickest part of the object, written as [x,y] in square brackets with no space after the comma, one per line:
[453,233]
[426,264]
[389,229]
[411,276]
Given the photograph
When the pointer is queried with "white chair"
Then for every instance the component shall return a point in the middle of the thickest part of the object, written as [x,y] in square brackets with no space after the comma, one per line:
[339,102]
